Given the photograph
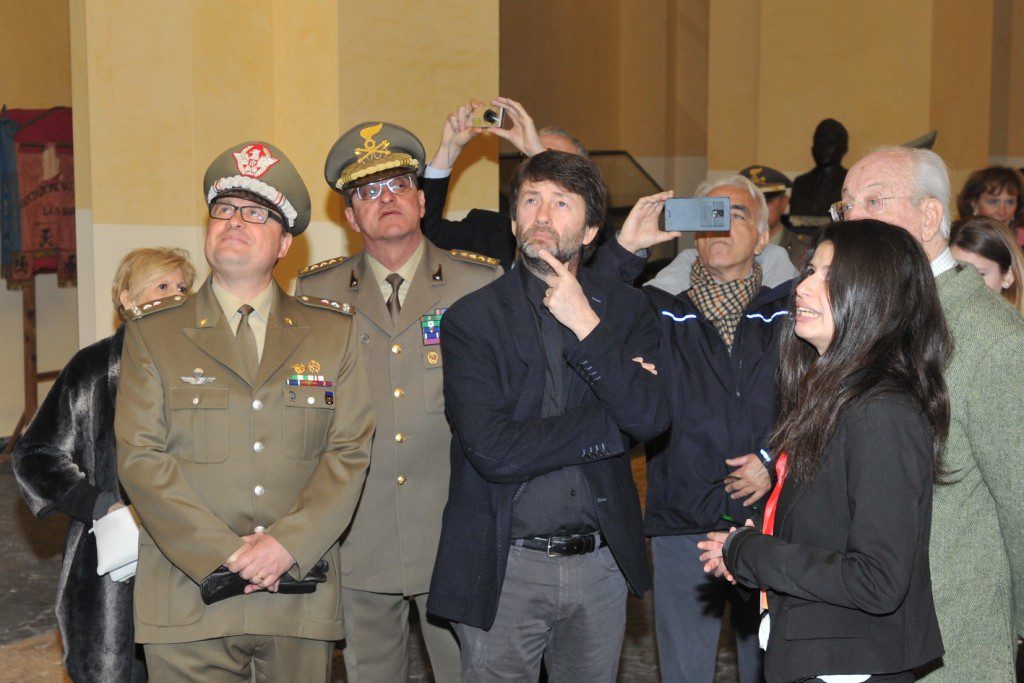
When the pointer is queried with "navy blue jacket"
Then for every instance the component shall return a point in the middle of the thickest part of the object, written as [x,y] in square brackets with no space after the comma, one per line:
[494,370]
[723,404]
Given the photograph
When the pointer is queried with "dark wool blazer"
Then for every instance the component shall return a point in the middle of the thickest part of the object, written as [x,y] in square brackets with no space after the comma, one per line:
[493,389]
[65,459]
[850,590]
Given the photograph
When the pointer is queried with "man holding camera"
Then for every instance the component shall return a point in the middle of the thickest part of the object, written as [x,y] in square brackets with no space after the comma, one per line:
[483,231]
[399,288]
[243,433]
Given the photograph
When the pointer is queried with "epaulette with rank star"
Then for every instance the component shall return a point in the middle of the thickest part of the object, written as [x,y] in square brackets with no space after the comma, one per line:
[323,265]
[474,258]
[149,307]
[329,304]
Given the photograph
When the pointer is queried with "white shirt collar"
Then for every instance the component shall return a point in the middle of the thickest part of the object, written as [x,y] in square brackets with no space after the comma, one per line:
[943,262]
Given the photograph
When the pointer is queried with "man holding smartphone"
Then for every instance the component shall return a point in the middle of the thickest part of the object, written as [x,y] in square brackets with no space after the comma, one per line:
[720,335]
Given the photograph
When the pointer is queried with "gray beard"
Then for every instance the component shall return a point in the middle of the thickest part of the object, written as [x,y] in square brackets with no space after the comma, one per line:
[539,267]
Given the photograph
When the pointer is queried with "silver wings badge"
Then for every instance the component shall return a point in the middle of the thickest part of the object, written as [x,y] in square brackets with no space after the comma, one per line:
[197,377]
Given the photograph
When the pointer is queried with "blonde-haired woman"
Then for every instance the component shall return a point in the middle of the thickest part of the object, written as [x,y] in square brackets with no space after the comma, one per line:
[67,462]
[989,246]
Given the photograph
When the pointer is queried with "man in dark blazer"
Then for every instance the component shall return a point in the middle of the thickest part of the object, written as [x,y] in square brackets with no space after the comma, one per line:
[547,375]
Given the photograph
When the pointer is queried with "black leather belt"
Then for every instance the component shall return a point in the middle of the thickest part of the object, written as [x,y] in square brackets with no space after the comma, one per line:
[560,546]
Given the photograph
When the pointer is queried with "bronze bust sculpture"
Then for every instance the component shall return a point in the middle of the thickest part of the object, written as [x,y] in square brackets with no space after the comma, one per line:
[816,190]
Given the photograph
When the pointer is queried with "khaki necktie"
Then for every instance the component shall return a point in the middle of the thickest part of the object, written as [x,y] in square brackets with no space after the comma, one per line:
[394,305]
[246,340]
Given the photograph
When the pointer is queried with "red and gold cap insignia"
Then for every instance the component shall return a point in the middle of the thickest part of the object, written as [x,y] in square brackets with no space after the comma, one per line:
[254,160]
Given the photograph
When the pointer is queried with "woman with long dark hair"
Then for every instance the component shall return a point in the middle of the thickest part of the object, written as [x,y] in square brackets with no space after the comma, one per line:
[842,556]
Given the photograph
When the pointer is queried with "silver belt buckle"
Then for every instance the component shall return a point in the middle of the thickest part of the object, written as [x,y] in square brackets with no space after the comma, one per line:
[550,554]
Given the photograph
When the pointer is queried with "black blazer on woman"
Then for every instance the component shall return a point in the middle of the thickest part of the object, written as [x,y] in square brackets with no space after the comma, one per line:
[847,569]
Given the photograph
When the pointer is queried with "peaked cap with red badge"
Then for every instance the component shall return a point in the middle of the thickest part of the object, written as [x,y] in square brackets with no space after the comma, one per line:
[264,170]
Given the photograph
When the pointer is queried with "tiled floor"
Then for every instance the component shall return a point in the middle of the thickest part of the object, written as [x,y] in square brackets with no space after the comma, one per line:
[30,647]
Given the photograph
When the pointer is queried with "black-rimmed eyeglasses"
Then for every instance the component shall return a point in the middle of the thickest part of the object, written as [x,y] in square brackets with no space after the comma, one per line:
[222,211]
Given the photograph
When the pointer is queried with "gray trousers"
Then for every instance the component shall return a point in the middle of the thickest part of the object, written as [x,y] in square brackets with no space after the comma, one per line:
[568,611]
[377,638]
[688,607]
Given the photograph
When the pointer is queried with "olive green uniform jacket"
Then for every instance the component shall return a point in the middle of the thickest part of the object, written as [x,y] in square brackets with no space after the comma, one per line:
[206,463]
[392,543]
[977,541]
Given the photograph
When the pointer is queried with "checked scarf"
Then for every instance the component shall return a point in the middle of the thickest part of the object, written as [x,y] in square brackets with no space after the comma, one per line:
[723,304]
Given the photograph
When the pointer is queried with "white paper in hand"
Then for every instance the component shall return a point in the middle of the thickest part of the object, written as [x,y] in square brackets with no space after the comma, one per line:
[117,544]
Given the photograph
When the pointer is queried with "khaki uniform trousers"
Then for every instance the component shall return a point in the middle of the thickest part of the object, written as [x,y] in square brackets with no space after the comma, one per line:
[240,659]
[377,638]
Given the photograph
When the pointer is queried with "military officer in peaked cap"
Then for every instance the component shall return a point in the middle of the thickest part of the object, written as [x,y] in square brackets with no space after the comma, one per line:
[243,432]
[776,186]
[399,289]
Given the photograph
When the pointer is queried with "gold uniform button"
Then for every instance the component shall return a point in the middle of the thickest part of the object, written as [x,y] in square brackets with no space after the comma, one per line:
[259,530]
[195,400]
[399,437]
[257,404]
[396,349]
[400,480]
[399,392]
[257,447]
[259,490]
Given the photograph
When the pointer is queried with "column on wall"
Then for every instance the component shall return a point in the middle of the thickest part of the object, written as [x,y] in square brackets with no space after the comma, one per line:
[164,87]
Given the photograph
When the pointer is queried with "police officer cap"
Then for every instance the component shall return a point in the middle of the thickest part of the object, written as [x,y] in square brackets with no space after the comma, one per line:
[768,180]
[372,151]
[264,170]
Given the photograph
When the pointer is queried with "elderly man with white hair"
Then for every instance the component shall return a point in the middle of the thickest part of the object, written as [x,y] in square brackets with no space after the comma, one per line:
[721,319]
[977,540]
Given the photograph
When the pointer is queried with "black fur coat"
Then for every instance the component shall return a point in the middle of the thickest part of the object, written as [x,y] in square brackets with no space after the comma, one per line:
[65,459]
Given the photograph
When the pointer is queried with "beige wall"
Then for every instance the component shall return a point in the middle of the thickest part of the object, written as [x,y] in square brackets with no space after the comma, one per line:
[961,84]
[618,74]
[1007,124]
[164,91]
[802,61]
[734,82]
[432,58]
[34,52]
[688,86]
[561,61]
[817,61]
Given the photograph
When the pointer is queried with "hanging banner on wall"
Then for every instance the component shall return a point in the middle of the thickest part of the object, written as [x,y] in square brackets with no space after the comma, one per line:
[43,241]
